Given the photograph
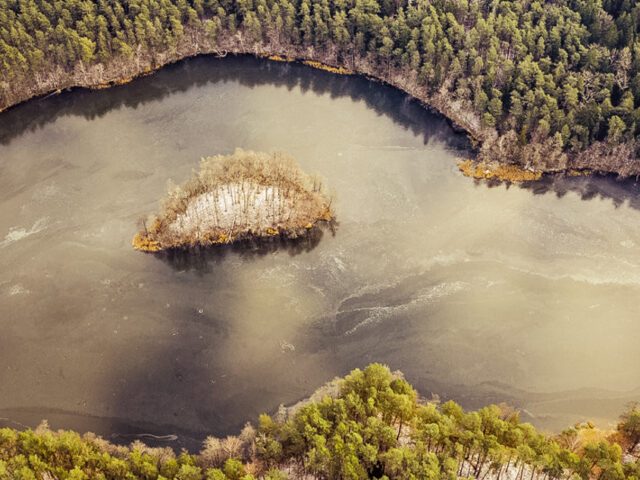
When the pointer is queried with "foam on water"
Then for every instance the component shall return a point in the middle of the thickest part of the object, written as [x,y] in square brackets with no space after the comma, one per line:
[18,289]
[424,297]
[16,234]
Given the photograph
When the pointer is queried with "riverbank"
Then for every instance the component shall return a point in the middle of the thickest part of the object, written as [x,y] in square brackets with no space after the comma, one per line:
[494,170]
[544,155]
[370,423]
[252,238]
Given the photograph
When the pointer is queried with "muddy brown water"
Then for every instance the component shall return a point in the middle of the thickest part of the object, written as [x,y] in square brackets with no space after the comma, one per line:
[480,294]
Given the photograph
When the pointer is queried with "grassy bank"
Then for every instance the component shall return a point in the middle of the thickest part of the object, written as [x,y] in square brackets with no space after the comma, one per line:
[495,170]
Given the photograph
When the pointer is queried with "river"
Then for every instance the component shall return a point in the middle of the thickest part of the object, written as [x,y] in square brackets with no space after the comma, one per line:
[478,293]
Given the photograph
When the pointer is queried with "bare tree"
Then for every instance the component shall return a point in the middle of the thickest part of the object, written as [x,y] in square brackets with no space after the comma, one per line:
[235,195]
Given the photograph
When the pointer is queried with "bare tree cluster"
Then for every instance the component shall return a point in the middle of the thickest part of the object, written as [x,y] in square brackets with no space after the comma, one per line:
[216,451]
[246,193]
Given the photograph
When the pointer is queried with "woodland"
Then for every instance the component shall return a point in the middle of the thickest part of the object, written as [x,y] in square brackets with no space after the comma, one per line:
[548,86]
[372,425]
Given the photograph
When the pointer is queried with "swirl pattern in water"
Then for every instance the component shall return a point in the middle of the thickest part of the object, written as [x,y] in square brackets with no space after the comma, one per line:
[478,294]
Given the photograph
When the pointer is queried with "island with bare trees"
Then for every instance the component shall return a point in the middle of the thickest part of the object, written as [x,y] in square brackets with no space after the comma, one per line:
[244,195]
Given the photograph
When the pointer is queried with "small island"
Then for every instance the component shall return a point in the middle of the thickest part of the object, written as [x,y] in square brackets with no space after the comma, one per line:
[244,195]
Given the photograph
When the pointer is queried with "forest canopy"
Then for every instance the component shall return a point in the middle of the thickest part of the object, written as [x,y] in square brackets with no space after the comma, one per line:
[373,425]
[547,85]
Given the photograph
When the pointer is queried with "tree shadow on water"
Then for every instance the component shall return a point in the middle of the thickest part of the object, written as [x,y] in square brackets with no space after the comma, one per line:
[243,69]
[610,187]
[209,376]
[202,260]
[619,191]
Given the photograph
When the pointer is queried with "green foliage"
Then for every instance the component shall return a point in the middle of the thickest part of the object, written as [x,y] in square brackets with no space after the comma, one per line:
[359,435]
[233,469]
[629,427]
[189,472]
[616,129]
[373,428]
[572,66]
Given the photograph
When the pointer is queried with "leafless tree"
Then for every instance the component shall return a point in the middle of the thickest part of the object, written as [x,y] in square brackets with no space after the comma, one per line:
[236,194]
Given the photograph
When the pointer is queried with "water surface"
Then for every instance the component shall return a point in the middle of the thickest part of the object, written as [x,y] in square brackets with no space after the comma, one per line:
[478,294]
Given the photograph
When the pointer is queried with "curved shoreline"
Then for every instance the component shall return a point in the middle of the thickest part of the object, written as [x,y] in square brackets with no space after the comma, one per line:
[459,125]
[487,141]
[280,234]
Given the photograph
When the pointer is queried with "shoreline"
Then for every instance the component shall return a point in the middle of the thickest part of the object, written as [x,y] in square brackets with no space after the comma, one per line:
[123,430]
[359,409]
[486,141]
[280,234]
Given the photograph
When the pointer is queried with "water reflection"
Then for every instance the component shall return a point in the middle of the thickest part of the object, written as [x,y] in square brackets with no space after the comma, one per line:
[618,190]
[252,72]
[203,259]
[588,187]
[244,69]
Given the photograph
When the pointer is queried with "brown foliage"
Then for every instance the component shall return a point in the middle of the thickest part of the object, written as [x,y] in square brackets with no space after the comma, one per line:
[540,154]
[609,157]
[246,193]
[216,451]
[212,456]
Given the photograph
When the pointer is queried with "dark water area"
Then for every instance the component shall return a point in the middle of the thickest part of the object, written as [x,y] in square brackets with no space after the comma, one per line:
[197,72]
[478,293]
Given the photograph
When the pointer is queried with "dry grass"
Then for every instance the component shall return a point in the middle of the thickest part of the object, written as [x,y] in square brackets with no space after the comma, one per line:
[234,197]
[310,63]
[578,173]
[328,68]
[591,436]
[121,81]
[278,58]
[508,173]
[142,242]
